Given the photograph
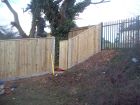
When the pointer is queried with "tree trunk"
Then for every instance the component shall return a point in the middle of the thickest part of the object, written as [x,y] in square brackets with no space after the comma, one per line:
[33,29]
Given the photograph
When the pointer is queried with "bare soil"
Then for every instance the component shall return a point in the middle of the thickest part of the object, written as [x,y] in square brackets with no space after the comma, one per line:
[107,78]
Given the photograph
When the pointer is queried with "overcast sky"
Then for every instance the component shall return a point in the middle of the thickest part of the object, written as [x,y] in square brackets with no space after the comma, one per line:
[93,14]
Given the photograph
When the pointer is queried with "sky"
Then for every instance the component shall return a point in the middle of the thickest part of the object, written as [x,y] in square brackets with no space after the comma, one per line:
[93,14]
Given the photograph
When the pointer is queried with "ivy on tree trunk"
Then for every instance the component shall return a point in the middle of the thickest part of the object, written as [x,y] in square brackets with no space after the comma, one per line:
[60,13]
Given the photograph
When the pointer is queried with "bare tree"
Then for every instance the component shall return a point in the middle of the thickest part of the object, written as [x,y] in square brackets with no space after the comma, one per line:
[16,22]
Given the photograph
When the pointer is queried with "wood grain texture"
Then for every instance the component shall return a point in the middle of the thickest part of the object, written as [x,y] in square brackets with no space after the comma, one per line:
[25,57]
[80,47]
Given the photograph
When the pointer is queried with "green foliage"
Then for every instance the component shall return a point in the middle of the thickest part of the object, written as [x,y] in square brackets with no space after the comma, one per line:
[59,13]
[64,28]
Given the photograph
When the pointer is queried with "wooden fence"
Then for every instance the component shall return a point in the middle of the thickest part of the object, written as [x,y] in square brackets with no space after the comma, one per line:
[26,57]
[76,31]
[80,47]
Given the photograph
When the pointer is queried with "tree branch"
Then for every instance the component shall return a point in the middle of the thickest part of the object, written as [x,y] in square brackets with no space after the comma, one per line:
[16,19]
[102,1]
[58,1]
[79,7]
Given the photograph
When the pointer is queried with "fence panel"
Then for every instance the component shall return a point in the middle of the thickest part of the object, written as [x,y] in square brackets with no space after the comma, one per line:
[26,57]
[80,47]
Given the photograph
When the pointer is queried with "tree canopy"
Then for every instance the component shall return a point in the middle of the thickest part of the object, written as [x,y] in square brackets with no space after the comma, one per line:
[59,13]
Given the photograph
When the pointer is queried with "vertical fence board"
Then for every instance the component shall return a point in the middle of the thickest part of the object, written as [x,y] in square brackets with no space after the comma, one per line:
[49,47]
[63,54]
[69,53]
[74,51]
[2,59]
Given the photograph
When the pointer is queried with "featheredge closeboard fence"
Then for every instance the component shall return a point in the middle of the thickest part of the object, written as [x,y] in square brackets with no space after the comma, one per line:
[80,47]
[76,31]
[26,57]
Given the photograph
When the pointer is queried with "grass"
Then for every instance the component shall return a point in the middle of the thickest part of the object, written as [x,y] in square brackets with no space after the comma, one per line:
[112,82]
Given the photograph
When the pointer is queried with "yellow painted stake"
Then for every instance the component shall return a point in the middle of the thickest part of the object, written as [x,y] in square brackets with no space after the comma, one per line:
[52,64]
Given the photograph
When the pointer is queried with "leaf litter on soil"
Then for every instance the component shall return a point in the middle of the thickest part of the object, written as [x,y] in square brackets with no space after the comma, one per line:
[103,79]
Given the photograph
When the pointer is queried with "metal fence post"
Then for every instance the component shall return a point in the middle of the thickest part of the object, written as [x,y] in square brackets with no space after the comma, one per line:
[137,30]
[101,35]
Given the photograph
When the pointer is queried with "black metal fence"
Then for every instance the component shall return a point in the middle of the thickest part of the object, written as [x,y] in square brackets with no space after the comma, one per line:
[121,33]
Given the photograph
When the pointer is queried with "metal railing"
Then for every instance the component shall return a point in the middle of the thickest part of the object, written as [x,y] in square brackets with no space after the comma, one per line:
[121,33]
